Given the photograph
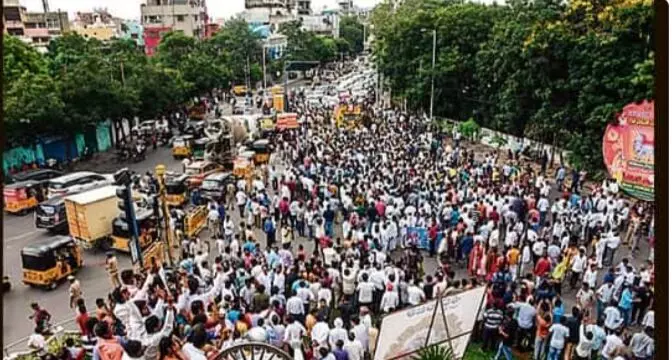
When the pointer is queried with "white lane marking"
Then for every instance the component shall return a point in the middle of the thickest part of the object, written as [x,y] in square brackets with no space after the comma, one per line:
[19,237]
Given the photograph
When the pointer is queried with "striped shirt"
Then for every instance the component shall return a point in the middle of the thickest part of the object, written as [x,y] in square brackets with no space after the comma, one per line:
[493,318]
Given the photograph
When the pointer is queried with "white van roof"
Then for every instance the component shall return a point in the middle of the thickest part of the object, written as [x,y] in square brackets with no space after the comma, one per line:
[91,196]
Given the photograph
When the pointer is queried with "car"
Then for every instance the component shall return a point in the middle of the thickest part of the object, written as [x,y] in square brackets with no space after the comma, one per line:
[40,175]
[199,170]
[50,215]
[214,185]
[145,127]
[77,181]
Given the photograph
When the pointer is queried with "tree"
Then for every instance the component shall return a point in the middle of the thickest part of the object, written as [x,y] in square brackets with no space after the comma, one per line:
[552,71]
[31,106]
[352,32]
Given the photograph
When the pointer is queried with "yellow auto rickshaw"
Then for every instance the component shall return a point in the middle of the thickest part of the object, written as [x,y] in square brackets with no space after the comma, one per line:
[121,234]
[277,90]
[21,197]
[177,190]
[182,146]
[49,261]
[195,220]
[262,151]
[240,90]
[243,166]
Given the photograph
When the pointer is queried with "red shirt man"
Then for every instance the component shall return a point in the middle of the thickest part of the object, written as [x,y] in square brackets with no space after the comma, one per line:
[543,266]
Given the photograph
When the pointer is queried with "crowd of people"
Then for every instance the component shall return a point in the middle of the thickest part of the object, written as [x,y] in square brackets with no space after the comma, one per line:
[357,224]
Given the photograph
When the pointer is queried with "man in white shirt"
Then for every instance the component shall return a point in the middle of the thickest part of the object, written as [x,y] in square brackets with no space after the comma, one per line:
[294,334]
[578,265]
[612,344]
[365,291]
[353,348]
[558,334]
[295,307]
[612,317]
[415,294]
[390,300]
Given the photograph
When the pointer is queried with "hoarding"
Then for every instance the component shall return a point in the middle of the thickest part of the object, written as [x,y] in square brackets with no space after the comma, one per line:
[628,149]
[446,322]
[287,121]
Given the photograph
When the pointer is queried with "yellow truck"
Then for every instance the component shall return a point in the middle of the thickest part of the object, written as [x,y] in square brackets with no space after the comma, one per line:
[90,215]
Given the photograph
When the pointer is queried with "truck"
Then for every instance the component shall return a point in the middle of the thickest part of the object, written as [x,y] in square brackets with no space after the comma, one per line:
[90,215]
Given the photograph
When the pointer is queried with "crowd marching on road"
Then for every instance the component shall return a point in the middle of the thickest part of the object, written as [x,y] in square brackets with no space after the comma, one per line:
[334,232]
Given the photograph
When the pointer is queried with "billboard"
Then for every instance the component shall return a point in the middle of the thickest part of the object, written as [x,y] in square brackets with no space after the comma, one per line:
[628,150]
[446,322]
[287,121]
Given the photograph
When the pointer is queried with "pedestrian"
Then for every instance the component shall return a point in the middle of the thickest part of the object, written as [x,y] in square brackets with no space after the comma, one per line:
[558,334]
[75,292]
[112,267]
[507,333]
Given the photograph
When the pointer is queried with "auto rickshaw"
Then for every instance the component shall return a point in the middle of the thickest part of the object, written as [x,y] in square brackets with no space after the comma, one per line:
[195,220]
[177,191]
[240,90]
[49,261]
[266,125]
[243,166]
[121,234]
[198,170]
[198,148]
[21,197]
[262,151]
[182,146]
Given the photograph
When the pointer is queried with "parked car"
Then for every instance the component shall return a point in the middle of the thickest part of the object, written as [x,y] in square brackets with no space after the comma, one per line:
[41,175]
[78,181]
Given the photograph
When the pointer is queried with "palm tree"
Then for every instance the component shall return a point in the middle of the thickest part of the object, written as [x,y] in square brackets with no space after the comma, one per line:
[435,352]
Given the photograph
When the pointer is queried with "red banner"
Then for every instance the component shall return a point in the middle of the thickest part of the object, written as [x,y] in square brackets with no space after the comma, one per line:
[628,149]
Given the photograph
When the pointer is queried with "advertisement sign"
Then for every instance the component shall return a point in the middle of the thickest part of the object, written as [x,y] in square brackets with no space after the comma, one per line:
[627,149]
[267,124]
[279,103]
[287,121]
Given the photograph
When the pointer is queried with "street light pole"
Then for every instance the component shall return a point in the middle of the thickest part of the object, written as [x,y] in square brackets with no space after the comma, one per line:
[431,96]
[263,63]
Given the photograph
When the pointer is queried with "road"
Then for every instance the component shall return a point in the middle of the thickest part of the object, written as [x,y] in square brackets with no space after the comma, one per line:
[20,231]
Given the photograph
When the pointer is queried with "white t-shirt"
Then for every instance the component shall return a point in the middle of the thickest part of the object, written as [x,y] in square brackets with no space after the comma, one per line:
[365,292]
[612,343]
[558,333]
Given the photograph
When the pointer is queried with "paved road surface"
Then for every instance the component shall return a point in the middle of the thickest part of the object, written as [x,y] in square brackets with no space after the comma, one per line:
[20,231]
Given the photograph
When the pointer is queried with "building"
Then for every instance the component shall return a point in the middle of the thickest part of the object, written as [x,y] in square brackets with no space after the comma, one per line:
[299,7]
[326,24]
[152,36]
[132,30]
[346,6]
[211,29]
[251,4]
[187,16]
[13,18]
[98,24]
[35,28]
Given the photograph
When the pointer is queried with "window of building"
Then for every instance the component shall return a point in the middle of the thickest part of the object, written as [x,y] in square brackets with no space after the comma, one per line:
[180,18]
[134,36]
[30,25]
[196,18]
[12,14]
[15,32]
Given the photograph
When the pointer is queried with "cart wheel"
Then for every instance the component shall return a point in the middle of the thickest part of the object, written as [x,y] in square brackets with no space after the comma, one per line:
[52,286]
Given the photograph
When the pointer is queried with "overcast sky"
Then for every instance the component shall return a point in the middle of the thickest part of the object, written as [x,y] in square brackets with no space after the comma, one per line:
[130,9]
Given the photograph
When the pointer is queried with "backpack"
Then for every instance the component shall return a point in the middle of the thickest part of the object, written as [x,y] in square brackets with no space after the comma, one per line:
[109,349]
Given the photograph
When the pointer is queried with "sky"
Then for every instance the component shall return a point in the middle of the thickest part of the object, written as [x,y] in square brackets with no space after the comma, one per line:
[130,9]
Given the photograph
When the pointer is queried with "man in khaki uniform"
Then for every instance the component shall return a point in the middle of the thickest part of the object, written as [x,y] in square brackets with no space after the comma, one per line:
[75,292]
[112,268]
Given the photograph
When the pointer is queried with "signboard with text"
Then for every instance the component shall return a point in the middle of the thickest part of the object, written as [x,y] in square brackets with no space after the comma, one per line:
[628,150]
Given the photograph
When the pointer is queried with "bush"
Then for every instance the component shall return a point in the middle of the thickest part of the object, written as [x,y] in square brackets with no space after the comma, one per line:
[469,129]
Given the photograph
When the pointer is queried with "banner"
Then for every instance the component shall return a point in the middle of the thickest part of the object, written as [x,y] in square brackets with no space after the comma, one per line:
[628,150]
[279,103]
[287,121]
[446,323]
[420,236]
